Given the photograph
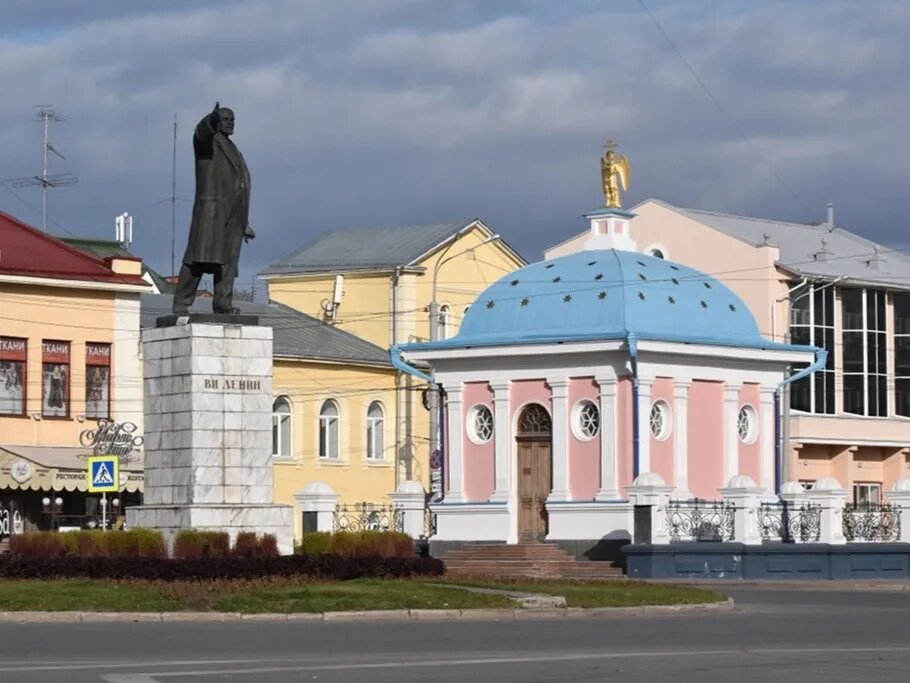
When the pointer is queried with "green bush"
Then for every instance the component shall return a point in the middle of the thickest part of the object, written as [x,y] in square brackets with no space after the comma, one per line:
[88,544]
[196,543]
[357,544]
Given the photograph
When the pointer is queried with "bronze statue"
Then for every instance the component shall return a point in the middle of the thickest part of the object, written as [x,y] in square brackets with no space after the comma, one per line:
[613,168]
[220,214]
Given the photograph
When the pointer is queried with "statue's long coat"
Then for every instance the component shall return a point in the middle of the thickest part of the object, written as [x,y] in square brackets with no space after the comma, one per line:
[222,203]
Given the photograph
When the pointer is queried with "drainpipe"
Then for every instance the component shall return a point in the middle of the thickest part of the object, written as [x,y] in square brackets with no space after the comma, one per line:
[821,357]
[399,364]
[395,277]
[636,430]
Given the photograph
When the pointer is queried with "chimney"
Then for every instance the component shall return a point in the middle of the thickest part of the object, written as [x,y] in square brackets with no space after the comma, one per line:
[823,253]
[124,265]
[830,222]
[875,263]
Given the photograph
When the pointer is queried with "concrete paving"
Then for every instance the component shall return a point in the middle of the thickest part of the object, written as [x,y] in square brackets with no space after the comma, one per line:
[774,633]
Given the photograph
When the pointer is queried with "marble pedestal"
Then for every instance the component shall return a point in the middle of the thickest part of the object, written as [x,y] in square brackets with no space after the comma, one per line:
[208,432]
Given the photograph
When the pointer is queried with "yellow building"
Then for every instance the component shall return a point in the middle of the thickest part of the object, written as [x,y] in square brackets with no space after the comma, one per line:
[332,416]
[69,356]
[380,285]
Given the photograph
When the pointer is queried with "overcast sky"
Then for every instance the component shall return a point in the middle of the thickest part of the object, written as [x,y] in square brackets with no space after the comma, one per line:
[356,113]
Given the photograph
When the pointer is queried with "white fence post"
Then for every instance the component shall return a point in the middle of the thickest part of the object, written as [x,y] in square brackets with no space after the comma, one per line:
[746,497]
[830,496]
[649,488]
[319,499]
[410,500]
[899,496]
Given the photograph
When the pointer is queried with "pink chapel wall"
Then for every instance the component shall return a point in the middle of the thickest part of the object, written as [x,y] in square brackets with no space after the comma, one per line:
[750,454]
[479,460]
[662,451]
[584,455]
[706,438]
[624,435]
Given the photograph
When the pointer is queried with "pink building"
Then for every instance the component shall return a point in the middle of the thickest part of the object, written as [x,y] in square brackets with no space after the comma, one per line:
[571,377]
[811,284]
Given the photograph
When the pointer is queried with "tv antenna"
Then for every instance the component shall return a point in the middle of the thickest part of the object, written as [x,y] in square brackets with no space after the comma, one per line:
[46,180]
[173,199]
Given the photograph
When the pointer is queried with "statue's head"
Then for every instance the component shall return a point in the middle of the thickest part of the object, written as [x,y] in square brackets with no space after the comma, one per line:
[226,120]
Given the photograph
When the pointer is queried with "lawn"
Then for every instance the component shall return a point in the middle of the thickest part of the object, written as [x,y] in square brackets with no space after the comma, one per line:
[606,593]
[276,595]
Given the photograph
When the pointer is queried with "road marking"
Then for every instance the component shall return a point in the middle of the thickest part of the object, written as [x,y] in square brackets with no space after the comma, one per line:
[151,677]
[69,666]
[129,678]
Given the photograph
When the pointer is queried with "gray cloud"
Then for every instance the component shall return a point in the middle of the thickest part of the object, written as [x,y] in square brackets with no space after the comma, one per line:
[370,113]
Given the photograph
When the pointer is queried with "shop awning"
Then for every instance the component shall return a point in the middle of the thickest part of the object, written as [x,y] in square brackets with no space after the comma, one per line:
[56,468]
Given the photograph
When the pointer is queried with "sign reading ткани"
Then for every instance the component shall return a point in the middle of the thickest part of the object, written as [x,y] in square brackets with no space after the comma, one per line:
[222,384]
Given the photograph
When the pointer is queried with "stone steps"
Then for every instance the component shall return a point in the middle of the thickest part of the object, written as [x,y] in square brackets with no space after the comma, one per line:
[526,560]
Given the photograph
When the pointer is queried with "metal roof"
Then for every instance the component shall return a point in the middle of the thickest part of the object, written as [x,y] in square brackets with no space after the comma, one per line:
[296,335]
[367,248]
[107,248]
[31,252]
[813,251]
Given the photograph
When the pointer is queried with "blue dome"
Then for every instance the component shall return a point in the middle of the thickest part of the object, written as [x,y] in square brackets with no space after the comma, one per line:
[607,294]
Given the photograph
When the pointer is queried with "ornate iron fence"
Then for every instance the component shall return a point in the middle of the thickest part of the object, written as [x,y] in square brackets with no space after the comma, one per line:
[778,522]
[877,522]
[368,517]
[700,520]
[429,523]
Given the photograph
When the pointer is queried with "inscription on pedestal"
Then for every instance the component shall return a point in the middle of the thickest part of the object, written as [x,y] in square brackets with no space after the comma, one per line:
[226,384]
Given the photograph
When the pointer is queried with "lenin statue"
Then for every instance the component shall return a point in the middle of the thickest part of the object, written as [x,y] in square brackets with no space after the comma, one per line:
[220,214]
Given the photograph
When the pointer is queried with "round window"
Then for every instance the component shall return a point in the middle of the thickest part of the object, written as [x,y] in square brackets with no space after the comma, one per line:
[585,420]
[480,424]
[747,424]
[660,420]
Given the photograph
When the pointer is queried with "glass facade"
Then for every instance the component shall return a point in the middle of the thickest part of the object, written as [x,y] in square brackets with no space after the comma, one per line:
[902,353]
[865,352]
[812,323]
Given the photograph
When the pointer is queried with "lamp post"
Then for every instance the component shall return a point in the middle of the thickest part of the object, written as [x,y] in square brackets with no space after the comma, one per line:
[52,507]
[433,389]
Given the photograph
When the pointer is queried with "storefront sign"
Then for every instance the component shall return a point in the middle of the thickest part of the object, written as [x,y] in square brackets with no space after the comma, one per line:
[21,471]
[112,438]
[12,348]
[10,523]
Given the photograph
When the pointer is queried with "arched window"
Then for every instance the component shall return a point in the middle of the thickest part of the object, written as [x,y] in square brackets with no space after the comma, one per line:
[445,321]
[281,427]
[375,428]
[534,421]
[328,430]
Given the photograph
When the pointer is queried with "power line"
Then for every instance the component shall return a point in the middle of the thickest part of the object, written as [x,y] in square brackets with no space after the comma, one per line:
[721,109]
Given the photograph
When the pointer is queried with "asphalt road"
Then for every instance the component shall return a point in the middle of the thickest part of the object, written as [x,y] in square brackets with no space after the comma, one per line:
[775,634]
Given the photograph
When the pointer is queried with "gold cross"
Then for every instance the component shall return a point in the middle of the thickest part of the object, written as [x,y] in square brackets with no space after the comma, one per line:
[610,145]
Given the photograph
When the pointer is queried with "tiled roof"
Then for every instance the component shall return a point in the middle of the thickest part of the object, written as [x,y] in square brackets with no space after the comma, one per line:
[106,248]
[296,335]
[27,251]
[368,248]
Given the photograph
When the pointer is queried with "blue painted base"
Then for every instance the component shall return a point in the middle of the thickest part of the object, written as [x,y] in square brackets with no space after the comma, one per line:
[818,561]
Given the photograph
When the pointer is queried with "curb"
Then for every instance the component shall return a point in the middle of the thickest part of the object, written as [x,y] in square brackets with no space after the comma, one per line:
[363,616]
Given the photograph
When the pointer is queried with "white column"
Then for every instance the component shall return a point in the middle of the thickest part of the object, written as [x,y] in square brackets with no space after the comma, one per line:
[766,436]
[502,442]
[609,477]
[319,498]
[644,426]
[455,438]
[410,499]
[681,440]
[731,437]
[559,393]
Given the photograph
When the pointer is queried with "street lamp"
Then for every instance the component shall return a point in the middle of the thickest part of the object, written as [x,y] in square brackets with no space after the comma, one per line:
[52,507]
[433,389]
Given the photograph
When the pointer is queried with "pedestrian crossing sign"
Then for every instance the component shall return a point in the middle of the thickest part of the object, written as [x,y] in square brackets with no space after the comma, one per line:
[103,474]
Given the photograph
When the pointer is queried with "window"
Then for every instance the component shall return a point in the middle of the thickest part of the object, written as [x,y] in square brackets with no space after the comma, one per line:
[55,379]
[375,427]
[865,374]
[660,420]
[281,427]
[902,353]
[97,380]
[812,323]
[480,424]
[747,424]
[328,430]
[869,493]
[534,421]
[13,363]
[445,321]
[585,420]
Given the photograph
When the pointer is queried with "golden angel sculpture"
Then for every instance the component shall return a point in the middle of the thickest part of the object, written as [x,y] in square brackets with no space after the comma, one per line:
[614,172]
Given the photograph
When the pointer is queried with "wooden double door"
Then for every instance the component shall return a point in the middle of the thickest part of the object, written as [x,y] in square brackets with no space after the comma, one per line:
[535,481]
